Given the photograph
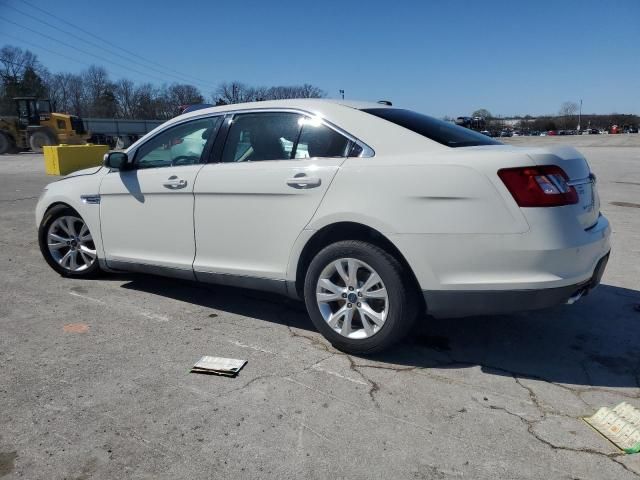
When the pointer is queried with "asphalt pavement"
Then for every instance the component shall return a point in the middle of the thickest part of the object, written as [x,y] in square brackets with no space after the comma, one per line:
[95,382]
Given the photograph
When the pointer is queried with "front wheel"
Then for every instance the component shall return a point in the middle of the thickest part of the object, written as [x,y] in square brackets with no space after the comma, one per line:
[359,297]
[40,139]
[67,244]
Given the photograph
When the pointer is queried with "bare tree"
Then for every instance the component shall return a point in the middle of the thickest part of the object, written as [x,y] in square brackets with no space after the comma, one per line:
[76,95]
[145,101]
[567,111]
[294,91]
[14,61]
[20,74]
[309,91]
[92,93]
[483,113]
[99,91]
[238,92]
[234,92]
[58,87]
[183,94]
[125,97]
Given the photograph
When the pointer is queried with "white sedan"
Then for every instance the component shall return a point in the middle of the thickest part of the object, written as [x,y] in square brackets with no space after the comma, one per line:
[372,214]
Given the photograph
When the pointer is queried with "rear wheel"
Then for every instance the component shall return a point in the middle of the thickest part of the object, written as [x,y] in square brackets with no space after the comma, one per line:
[359,297]
[6,143]
[39,139]
[67,244]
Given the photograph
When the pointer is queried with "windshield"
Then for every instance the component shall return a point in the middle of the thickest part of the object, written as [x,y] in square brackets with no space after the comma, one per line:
[44,106]
[442,132]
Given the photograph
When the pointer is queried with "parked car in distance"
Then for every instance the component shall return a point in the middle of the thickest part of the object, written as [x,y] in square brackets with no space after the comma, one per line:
[486,132]
[552,133]
[371,214]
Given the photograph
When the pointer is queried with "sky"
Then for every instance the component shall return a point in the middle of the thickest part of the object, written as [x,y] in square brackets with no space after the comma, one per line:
[437,57]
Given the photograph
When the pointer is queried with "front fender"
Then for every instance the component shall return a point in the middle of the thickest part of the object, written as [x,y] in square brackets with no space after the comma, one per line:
[79,193]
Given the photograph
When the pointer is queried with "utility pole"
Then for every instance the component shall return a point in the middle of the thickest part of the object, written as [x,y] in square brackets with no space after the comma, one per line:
[580,116]
[342,93]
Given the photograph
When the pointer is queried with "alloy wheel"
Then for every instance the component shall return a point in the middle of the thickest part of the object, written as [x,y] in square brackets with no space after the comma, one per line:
[352,298]
[70,243]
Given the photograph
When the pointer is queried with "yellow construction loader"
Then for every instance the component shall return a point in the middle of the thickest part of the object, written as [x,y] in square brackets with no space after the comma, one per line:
[36,126]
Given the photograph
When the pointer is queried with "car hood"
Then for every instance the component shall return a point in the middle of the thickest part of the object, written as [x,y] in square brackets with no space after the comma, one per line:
[84,171]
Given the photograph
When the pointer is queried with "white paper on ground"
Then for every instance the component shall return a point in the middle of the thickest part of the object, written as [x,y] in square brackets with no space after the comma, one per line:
[219,365]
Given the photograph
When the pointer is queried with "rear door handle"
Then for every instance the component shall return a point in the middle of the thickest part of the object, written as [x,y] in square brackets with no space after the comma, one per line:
[304,182]
[174,183]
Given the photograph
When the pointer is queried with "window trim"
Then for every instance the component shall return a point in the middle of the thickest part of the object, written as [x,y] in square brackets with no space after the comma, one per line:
[223,132]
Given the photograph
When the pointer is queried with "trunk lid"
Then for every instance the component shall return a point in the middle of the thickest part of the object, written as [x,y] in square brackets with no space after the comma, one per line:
[587,210]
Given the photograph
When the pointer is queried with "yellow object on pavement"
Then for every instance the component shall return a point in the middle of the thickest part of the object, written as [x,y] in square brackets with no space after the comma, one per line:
[64,159]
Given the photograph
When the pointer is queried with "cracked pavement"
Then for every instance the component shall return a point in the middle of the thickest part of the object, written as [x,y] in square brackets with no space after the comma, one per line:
[481,398]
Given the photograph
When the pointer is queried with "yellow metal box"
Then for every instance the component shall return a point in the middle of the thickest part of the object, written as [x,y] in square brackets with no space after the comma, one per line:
[64,159]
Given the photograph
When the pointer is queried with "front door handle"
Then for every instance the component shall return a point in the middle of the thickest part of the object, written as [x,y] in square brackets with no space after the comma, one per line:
[174,183]
[303,181]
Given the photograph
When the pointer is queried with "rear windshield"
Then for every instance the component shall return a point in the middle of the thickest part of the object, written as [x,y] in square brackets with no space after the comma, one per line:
[442,132]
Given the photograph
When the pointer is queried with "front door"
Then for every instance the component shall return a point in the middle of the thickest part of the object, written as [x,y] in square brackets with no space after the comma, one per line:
[251,206]
[146,212]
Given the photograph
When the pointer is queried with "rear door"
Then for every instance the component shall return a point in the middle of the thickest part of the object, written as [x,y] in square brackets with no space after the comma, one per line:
[250,207]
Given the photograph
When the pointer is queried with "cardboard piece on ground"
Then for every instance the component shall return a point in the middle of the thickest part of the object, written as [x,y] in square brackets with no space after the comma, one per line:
[620,425]
[228,367]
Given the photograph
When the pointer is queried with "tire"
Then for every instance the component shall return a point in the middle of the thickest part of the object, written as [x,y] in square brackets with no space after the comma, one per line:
[39,139]
[65,244]
[382,313]
[6,143]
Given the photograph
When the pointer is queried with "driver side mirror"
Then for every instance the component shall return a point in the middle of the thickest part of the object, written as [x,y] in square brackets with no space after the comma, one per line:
[117,160]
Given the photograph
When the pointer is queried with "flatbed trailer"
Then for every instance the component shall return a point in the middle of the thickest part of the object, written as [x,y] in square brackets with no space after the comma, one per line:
[118,133]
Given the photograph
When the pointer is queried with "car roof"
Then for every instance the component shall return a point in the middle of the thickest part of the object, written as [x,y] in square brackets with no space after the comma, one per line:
[297,103]
[343,113]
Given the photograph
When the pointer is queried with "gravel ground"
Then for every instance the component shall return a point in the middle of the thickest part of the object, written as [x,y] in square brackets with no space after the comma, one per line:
[94,380]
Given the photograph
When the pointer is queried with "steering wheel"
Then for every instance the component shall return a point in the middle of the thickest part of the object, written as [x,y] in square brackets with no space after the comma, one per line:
[185,160]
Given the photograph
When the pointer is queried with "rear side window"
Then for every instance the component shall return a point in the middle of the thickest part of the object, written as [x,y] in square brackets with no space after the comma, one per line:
[318,140]
[442,132]
[261,136]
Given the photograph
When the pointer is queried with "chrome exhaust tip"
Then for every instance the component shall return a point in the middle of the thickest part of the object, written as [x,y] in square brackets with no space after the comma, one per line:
[576,296]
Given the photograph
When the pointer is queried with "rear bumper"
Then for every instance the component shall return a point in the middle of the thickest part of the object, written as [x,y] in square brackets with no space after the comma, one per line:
[465,303]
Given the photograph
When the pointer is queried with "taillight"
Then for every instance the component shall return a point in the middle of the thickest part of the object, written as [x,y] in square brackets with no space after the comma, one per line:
[544,186]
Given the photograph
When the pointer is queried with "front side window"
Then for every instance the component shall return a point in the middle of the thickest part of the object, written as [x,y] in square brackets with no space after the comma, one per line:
[256,137]
[179,145]
[434,129]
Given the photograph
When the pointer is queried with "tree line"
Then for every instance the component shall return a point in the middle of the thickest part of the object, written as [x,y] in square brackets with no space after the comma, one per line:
[92,93]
